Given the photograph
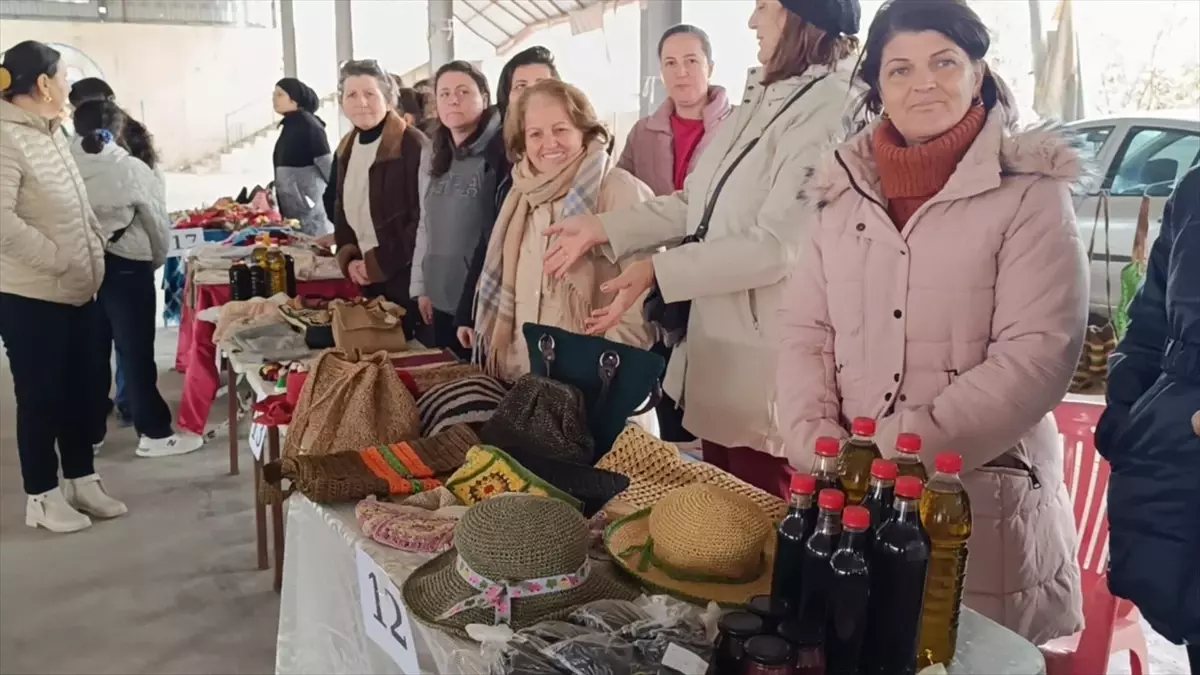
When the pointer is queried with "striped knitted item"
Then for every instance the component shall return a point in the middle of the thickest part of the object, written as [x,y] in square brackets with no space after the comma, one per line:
[397,464]
[470,400]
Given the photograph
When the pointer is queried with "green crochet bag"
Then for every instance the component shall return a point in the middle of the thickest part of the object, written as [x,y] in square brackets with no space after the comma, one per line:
[617,381]
[1134,273]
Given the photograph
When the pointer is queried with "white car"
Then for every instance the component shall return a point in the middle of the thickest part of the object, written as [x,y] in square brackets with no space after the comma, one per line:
[1134,156]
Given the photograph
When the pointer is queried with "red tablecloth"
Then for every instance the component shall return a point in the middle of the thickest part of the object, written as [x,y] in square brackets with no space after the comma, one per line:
[196,355]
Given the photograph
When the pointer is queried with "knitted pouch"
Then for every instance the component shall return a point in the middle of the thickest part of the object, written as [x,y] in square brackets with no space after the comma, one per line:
[490,471]
[542,417]
[408,528]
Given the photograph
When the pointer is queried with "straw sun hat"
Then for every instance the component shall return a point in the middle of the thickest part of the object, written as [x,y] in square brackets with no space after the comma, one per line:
[518,559]
[700,542]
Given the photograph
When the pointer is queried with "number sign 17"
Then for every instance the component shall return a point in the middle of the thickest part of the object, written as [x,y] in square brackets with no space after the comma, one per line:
[384,614]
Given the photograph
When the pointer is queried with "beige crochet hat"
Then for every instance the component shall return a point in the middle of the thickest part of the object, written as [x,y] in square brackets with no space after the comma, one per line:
[700,543]
[654,468]
[517,559]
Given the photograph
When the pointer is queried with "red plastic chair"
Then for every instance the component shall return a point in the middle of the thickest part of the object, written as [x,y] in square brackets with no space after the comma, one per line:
[1111,625]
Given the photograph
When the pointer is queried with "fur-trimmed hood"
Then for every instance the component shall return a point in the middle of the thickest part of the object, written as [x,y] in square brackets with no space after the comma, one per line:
[997,152]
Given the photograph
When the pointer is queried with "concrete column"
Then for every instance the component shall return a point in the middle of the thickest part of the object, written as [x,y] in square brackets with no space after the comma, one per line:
[343,30]
[287,26]
[657,17]
[441,33]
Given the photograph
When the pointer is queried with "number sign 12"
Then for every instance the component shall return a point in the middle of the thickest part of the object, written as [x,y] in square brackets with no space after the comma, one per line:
[384,614]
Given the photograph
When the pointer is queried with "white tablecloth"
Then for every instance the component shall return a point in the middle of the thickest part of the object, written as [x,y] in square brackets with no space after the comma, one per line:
[322,631]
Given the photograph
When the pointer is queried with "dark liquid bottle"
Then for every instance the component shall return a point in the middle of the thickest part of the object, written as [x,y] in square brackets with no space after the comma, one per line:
[880,494]
[849,594]
[734,629]
[790,537]
[239,281]
[899,564]
[825,464]
[290,271]
[908,457]
[767,655]
[854,462]
[814,568]
[769,609]
[260,286]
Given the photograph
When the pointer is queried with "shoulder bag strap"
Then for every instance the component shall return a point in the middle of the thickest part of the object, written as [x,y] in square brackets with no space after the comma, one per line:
[702,229]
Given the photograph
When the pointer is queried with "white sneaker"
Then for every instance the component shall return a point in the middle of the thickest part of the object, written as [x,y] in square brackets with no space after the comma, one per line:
[52,511]
[175,444]
[87,494]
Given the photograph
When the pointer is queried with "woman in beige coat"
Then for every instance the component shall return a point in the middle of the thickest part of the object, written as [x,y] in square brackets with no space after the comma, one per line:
[723,373]
[51,265]
[561,168]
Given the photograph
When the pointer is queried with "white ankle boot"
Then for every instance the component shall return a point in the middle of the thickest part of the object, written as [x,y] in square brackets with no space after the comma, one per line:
[87,494]
[52,511]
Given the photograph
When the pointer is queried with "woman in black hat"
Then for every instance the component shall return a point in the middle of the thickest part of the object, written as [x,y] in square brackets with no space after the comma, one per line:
[750,189]
[302,157]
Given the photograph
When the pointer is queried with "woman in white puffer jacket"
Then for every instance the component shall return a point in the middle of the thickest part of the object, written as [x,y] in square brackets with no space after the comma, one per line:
[129,199]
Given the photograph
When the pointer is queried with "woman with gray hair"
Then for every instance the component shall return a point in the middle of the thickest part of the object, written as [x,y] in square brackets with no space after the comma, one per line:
[379,183]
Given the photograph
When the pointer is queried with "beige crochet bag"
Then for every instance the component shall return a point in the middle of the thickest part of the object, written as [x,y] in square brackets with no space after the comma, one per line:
[371,327]
[349,402]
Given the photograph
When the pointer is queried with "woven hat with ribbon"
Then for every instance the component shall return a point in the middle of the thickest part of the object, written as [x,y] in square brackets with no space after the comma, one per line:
[655,468]
[700,543]
[517,560]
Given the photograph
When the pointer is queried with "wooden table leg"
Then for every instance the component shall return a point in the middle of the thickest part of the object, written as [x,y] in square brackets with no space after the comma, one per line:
[260,516]
[276,510]
[233,417]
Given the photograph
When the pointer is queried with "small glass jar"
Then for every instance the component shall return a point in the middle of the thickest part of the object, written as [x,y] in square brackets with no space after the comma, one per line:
[735,629]
[770,610]
[767,655]
[806,659]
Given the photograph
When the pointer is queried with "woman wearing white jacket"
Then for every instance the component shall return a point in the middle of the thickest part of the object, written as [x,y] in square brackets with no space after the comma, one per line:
[748,189]
[51,265]
[129,200]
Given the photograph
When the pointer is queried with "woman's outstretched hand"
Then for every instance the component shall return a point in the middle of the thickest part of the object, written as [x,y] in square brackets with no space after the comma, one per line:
[572,239]
[629,286]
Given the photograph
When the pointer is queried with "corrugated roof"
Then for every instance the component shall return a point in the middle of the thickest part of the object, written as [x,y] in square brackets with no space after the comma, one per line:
[504,23]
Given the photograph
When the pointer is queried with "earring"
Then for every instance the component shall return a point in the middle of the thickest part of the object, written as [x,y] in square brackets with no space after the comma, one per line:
[46,97]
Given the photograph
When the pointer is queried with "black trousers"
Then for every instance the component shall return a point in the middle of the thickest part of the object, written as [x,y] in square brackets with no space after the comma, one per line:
[1193,652]
[58,378]
[128,303]
[443,334]
[670,415]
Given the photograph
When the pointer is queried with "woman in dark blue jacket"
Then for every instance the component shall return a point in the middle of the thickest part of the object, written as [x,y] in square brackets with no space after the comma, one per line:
[1150,433]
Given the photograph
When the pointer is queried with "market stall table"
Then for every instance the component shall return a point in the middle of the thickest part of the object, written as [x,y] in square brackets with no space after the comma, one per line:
[323,627]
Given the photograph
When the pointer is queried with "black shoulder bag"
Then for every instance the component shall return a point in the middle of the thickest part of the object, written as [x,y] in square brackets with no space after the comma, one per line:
[672,317]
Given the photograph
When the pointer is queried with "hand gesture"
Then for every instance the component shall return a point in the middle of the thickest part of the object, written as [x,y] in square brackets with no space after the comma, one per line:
[358,273]
[572,238]
[466,337]
[629,286]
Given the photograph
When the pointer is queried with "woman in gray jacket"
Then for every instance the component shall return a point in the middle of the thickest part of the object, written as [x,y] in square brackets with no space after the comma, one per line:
[302,158]
[130,202]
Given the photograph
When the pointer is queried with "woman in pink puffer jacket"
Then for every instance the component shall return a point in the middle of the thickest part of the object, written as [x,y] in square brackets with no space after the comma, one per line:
[944,293]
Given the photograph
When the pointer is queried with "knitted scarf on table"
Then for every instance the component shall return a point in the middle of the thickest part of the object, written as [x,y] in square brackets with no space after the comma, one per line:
[577,183]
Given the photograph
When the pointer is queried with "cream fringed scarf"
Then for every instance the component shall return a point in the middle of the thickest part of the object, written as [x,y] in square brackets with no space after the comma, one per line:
[578,184]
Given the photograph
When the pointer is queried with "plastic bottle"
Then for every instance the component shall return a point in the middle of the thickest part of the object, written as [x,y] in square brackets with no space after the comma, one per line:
[946,516]
[899,565]
[260,285]
[849,594]
[908,457]
[825,464]
[259,254]
[290,269]
[854,462]
[790,537]
[239,281]
[276,270]
[880,495]
[815,570]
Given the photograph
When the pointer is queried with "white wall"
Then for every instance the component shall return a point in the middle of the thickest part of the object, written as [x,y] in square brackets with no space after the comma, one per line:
[186,83]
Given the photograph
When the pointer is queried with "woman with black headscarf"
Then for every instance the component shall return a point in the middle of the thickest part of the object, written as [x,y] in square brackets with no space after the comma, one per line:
[302,157]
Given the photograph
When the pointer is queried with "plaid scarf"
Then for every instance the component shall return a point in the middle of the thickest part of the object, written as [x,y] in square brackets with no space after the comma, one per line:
[577,183]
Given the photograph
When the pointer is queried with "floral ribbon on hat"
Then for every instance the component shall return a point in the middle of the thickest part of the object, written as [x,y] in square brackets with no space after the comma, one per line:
[500,594]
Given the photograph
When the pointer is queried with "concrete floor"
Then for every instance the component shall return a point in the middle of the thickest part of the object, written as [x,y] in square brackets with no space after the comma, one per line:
[170,588]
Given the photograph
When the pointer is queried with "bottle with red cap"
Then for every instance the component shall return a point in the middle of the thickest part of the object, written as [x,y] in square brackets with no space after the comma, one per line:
[899,564]
[825,464]
[880,494]
[908,457]
[854,462]
[790,537]
[849,594]
[946,516]
[815,570]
